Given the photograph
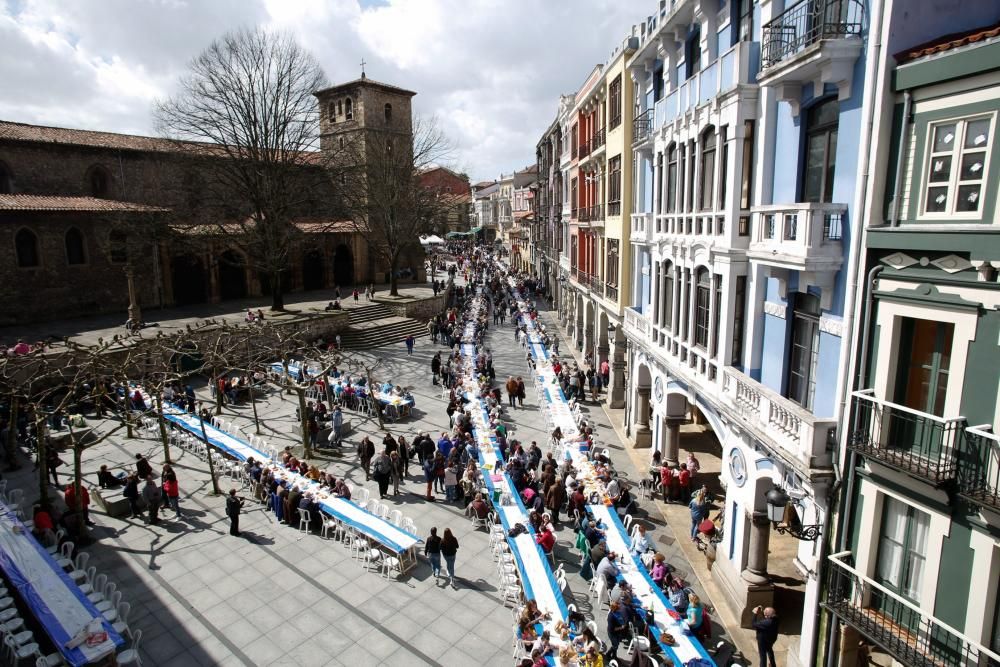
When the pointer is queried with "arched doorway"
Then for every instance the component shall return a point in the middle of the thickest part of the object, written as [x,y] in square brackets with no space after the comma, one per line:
[232,276]
[188,280]
[313,270]
[343,266]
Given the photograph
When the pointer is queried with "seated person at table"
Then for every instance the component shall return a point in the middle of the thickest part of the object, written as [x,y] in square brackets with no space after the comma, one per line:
[659,570]
[386,387]
[677,595]
[43,528]
[641,542]
[586,639]
[546,540]
[108,480]
[341,490]
[286,456]
[313,474]
[531,614]
[527,633]
[608,569]
[542,647]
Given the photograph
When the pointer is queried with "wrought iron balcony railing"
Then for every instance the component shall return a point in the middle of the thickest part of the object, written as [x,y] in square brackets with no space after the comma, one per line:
[910,634]
[598,140]
[584,149]
[805,24]
[979,467]
[641,126]
[914,442]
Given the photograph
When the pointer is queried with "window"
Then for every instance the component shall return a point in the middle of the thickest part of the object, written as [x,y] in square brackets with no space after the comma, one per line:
[6,185]
[706,199]
[902,546]
[99,182]
[611,268]
[615,184]
[739,320]
[388,112]
[341,142]
[615,102]
[692,52]
[331,112]
[658,175]
[717,295]
[702,307]
[348,109]
[672,178]
[26,249]
[340,107]
[957,159]
[924,364]
[746,180]
[668,295]
[692,157]
[575,139]
[804,349]
[573,201]
[75,252]
[723,167]
[821,152]
[744,30]
[118,246]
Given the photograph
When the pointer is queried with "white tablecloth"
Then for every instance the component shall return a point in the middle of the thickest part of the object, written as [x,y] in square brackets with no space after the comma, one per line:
[637,576]
[54,600]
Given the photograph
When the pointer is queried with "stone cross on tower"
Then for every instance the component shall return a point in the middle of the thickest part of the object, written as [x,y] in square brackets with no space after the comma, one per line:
[363,68]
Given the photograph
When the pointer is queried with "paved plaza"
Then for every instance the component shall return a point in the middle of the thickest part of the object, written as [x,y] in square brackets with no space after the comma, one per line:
[282,597]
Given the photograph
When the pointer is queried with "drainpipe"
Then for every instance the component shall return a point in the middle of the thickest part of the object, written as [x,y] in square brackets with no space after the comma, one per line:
[904,134]
[873,71]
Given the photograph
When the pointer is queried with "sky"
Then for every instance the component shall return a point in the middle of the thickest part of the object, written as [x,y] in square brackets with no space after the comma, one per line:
[491,72]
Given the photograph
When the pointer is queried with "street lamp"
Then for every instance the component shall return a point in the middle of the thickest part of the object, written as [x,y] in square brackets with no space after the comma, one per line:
[785,518]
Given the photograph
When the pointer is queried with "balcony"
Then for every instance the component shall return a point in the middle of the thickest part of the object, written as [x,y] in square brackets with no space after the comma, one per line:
[596,214]
[812,41]
[802,237]
[801,435]
[911,635]
[611,291]
[583,214]
[914,442]
[642,228]
[584,149]
[979,467]
[614,208]
[598,140]
[729,70]
[636,323]
[642,126]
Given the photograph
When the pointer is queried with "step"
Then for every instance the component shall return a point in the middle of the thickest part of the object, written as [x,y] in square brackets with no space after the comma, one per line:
[375,311]
[376,333]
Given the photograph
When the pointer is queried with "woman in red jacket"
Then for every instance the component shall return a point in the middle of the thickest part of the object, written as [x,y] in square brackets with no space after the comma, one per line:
[170,489]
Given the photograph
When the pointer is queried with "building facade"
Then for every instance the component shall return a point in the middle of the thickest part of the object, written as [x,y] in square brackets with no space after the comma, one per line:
[80,211]
[916,570]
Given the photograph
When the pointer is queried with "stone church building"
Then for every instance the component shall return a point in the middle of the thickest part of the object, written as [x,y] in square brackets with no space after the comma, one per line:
[79,208]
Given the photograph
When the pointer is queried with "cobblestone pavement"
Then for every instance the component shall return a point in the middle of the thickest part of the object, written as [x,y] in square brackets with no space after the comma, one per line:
[281,597]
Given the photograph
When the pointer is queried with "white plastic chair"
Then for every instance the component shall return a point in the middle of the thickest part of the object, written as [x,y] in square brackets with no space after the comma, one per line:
[305,521]
[131,655]
[121,625]
[396,518]
[79,572]
[15,653]
[360,497]
[97,591]
[64,559]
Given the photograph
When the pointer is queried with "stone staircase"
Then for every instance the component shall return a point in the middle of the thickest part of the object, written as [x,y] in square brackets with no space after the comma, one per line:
[376,325]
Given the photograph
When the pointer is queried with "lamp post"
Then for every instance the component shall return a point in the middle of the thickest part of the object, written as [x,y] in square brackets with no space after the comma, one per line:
[785,519]
[134,313]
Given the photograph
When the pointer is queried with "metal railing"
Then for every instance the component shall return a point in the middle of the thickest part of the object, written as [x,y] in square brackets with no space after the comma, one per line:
[641,126]
[611,291]
[596,213]
[979,467]
[914,442]
[598,139]
[614,208]
[806,23]
[584,149]
[913,636]
[583,214]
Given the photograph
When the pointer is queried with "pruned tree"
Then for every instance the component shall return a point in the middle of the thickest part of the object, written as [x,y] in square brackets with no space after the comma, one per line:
[377,180]
[248,101]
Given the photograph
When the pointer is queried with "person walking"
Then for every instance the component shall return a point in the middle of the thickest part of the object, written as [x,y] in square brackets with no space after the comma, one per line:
[432,549]
[152,494]
[511,390]
[436,367]
[52,463]
[521,391]
[366,451]
[699,511]
[171,489]
[233,507]
[449,547]
[396,471]
[382,472]
[409,344]
[336,424]
[131,493]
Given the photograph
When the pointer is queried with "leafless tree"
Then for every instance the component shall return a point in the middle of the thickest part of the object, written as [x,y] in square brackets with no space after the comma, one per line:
[377,180]
[248,100]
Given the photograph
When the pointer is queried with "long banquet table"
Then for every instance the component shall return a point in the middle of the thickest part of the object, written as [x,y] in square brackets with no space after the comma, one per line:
[384,532]
[53,598]
[635,573]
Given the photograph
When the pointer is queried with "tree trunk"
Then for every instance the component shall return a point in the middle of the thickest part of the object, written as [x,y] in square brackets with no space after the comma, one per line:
[393,280]
[304,424]
[163,426]
[43,468]
[218,394]
[277,294]
[10,444]
[208,449]
[129,431]
[253,394]
[375,404]
[81,536]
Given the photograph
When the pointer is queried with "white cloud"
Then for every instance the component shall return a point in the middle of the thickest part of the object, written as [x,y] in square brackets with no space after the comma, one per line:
[490,71]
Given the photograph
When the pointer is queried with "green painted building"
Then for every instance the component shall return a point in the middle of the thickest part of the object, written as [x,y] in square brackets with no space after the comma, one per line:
[915,569]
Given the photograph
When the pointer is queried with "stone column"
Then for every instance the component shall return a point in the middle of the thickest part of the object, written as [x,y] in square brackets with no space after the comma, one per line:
[672,441]
[616,392]
[755,572]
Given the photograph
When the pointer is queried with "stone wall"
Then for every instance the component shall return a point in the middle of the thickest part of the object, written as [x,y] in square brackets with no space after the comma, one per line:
[417,309]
